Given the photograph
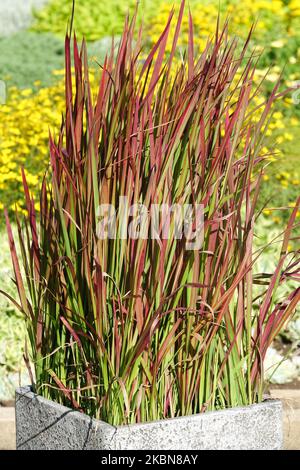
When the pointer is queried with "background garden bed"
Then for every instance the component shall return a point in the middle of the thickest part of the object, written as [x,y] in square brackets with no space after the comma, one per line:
[31,66]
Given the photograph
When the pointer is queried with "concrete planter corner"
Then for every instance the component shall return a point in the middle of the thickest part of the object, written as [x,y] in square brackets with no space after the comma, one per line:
[43,424]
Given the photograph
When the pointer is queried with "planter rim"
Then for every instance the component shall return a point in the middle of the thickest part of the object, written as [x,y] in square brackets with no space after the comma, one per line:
[27,390]
[45,424]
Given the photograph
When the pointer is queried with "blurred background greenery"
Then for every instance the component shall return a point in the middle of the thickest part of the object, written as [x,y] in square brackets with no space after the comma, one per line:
[31,65]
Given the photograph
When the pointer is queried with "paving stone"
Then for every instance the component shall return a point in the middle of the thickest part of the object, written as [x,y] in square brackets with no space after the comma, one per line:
[7,429]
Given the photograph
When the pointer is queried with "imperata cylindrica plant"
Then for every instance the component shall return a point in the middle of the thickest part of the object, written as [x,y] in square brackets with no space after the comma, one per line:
[137,328]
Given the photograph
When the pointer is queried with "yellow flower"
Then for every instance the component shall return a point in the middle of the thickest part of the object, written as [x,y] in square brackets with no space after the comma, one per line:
[288,136]
[278,115]
[272,77]
[26,92]
[24,127]
[294,121]
[278,44]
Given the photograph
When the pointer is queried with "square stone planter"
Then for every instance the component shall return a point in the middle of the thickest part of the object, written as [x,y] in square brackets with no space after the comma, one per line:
[43,424]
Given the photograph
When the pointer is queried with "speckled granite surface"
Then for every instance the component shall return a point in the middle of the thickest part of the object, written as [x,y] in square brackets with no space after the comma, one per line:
[42,424]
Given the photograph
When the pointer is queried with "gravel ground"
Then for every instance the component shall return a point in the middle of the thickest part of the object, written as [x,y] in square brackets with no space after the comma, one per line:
[17,14]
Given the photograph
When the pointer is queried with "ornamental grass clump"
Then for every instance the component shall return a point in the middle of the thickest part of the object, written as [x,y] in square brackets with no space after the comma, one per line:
[130,325]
